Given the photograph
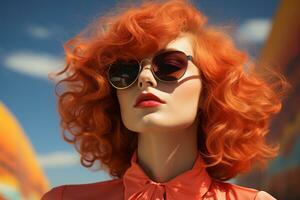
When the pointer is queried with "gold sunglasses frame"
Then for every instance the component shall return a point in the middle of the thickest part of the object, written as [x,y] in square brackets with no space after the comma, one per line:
[189,58]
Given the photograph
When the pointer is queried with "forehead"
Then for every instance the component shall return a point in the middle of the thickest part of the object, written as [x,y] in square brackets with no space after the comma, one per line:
[182,43]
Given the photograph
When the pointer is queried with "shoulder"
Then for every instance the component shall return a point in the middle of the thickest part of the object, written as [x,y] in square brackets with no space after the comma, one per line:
[225,190]
[112,189]
[262,195]
[54,193]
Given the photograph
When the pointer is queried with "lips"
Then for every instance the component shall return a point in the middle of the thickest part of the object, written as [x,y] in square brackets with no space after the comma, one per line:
[147,97]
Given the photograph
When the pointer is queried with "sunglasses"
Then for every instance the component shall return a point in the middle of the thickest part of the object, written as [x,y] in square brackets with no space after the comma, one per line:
[167,66]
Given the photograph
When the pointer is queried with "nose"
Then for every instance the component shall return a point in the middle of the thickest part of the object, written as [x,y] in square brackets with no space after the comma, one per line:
[146,77]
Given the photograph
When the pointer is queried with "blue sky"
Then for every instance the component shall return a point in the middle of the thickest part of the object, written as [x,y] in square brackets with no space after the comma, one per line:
[31,38]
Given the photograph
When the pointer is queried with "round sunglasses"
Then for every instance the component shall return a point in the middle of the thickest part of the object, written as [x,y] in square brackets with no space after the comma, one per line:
[167,66]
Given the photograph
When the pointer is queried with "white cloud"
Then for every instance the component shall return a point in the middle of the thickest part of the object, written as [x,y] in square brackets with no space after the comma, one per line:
[39,32]
[33,64]
[58,159]
[253,31]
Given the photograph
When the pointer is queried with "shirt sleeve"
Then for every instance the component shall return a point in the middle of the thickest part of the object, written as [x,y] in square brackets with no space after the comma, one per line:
[262,195]
[54,194]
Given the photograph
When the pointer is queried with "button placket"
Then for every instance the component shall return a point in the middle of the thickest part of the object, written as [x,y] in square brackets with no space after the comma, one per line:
[161,187]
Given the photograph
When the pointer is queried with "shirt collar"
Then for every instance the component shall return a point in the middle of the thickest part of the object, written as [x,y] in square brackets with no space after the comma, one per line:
[191,184]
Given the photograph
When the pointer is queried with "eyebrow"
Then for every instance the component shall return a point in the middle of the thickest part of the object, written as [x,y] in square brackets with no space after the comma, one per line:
[168,49]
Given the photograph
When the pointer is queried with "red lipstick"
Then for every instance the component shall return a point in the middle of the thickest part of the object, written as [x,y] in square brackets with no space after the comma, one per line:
[147,100]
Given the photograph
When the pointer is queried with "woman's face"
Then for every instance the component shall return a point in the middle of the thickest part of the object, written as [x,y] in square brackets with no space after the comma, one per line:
[181,98]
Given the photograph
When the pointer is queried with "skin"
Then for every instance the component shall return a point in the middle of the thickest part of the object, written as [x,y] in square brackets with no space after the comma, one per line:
[167,134]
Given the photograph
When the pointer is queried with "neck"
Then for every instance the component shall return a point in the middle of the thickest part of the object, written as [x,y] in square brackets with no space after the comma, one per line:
[165,155]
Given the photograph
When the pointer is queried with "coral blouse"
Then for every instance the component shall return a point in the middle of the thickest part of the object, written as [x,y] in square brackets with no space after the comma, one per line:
[194,184]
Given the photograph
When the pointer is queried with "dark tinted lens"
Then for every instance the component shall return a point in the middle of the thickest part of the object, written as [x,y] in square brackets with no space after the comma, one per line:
[170,65]
[122,74]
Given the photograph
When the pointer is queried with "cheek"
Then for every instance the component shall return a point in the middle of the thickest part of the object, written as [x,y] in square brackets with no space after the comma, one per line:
[125,107]
[120,97]
[123,100]
[186,98]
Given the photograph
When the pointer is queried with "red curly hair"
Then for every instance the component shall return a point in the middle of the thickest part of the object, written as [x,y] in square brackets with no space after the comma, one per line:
[237,103]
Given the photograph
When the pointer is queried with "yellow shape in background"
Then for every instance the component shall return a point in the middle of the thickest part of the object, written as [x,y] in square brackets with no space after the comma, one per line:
[19,168]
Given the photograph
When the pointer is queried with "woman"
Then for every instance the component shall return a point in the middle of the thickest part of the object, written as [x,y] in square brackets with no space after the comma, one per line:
[166,105]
